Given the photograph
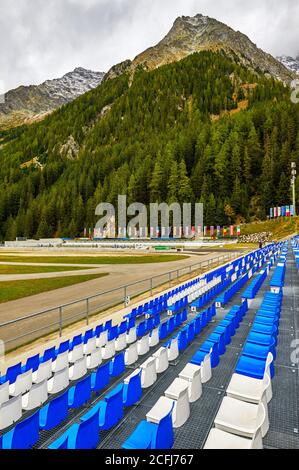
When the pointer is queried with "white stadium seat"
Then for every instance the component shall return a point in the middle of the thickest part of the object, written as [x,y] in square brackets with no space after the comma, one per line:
[178,391]
[131,354]
[22,384]
[162,360]
[94,359]
[44,372]
[37,396]
[10,412]
[192,374]
[78,369]
[149,373]
[59,381]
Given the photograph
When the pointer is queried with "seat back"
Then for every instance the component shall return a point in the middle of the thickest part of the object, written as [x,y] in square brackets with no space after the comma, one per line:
[49,354]
[24,435]
[131,354]
[163,437]
[77,340]
[80,393]
[32,363]
[43,372]
[23,383]
[88,433]
[163,330]
[10,412]
[13,372]
[90,346]
[60,380]
[101,377]
[54,412]
[38,394]
[63,347]
[77,352]
[114,410]
[117,365]
[79,369]
[4,392]
[95,359]
[132,389]
[173,349]
[182,338]
[62,361]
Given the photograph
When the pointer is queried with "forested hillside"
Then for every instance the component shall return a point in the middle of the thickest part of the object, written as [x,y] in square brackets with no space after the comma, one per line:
[172,134]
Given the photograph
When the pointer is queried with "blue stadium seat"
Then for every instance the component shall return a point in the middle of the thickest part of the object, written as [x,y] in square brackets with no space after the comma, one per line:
[206,347]
[252,367]
[32,363]
[87,336]
[111,410]
[84,435]
[182,340]
[112,333]
[49,354]
[80,393]
[152,436]
[163,331]
[132,391]
[24,435]
[12,373]
[101,378]
[117,365]
[99,329]
[63,347]
[171,325]
[54,413]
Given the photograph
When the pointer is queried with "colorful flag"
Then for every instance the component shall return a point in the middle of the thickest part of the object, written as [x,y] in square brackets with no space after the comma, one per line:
[218,231]
[225,231]
[238,230]
[279,212]
[271,212]
[212,231]
[205,231]
[232,230]
[283,211]
[288,212]
[292,211]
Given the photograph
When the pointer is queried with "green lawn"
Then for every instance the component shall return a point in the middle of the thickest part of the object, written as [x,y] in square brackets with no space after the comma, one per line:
[93,259]
[21,269]
[13,290]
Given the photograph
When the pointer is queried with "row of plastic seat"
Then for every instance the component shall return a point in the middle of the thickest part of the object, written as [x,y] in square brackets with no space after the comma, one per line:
[142,378]
[173,409]
[242,420]
[37,394]
[255,285]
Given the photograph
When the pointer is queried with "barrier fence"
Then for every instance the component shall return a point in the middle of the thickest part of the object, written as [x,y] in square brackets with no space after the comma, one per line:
[23,330]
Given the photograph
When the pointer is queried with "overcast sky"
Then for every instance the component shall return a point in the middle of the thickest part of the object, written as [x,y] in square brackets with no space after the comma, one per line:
[42,39]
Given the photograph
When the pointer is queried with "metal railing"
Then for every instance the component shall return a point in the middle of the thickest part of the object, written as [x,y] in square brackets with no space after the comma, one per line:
[26,329]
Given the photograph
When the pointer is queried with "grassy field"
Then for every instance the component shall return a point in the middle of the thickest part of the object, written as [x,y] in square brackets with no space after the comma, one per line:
[279,227]
[13,290]
[21,269]
[91,259]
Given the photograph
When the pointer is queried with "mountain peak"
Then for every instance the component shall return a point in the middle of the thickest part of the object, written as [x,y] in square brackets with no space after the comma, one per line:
[198,33]
[29,103]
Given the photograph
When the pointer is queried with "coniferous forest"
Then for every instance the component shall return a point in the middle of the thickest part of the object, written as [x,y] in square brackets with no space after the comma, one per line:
[204,129]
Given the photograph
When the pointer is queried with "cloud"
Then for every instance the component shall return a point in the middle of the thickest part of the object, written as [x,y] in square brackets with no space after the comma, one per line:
[45,39]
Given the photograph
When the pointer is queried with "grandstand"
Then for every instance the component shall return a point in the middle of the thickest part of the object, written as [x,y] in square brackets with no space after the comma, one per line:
[206,365]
